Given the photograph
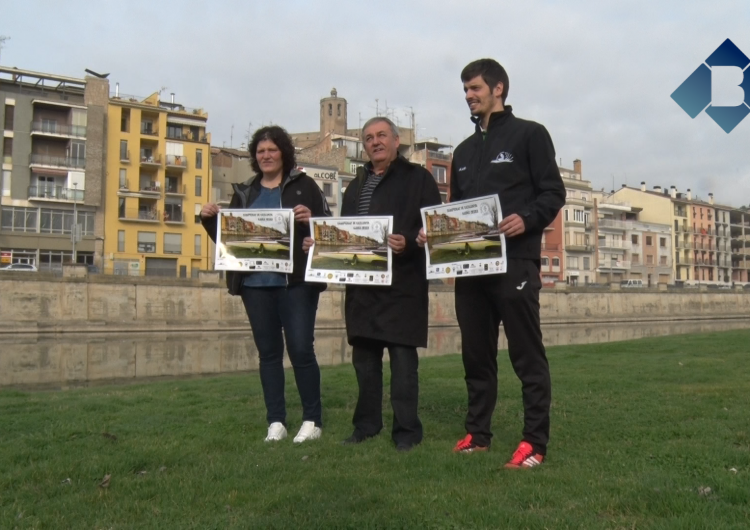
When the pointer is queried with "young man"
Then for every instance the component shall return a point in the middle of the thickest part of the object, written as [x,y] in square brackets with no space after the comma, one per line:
[393,317]
[514,159]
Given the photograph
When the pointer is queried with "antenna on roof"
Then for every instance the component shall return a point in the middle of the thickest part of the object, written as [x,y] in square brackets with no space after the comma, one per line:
[100,76]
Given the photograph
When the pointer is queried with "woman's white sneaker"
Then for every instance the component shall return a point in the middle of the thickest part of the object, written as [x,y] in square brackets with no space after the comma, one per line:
[308,431]
[276,432]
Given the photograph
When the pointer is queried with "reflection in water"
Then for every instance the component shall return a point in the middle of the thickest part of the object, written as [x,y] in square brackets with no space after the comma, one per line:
[45,361]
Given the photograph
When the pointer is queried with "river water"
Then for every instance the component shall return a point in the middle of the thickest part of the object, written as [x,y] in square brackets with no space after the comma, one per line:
[73,360]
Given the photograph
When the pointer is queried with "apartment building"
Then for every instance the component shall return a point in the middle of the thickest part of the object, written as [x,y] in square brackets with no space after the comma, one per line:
[552,254]
[52,167]
[158,180]
[577,223]
[739,232]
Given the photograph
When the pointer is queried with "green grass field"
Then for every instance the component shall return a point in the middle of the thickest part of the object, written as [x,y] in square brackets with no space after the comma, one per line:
[653,433]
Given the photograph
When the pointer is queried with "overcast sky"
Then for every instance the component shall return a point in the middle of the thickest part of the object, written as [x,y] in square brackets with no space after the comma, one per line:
[597,74]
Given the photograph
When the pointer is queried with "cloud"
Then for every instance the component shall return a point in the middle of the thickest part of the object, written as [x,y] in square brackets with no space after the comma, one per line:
[598,75]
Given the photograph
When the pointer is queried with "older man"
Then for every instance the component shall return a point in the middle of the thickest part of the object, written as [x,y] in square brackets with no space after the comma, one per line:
[392,317]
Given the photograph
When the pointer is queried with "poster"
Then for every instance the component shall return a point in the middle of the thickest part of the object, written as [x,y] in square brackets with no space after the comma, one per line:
[255,240]
[350,250]
[463,239]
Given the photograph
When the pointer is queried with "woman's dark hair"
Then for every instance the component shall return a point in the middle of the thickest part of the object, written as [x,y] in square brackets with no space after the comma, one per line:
[491,72]
[283,141]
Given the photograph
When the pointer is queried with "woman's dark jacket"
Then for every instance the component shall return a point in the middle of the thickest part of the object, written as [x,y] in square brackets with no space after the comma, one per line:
[296,188]
[396,314]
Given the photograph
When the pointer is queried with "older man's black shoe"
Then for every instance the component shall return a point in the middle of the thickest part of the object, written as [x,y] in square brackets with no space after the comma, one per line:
[356,438]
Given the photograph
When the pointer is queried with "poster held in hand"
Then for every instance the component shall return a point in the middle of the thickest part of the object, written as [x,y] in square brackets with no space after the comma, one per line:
[255,240]
[463,238]
[350,250]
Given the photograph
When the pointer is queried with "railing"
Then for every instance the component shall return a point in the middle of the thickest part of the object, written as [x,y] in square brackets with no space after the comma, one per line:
[613,223]
[680,213]
[149,132]
[175,189]
[438,155]
[177,161]
[55,193]
[615,264]
[150,186]
[579,248]
[150,159]
[58,161]
[683,261]
[146,215]
[615,244]
[174,217]
[703,246]
[706,262]
[77,131]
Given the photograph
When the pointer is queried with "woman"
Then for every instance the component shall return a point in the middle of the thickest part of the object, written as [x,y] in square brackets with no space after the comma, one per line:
[279,303]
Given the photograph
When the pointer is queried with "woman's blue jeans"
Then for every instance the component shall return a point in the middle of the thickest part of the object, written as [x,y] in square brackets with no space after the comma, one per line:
[277,313]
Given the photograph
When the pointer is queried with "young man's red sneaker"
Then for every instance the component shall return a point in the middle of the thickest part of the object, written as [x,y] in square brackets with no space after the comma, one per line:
[525,456]
[467,445]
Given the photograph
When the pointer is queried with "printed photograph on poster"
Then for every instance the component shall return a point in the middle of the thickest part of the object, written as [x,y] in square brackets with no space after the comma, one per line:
[463,239]
[350,250]
[255,240]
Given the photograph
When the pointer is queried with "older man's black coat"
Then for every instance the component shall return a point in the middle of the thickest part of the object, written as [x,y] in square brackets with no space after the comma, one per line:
[396,314]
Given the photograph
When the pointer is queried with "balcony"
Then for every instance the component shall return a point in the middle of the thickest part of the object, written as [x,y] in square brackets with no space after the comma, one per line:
[551,247]
[150,160]
[703,246]
[704,262]
[177,162]
[579,248]
[148,131]
[175,189]
[437,155]
[619,244]
[56,130]
[149,187]
[680,212]
[142,215]
[614,223]
[615,264]
[57,161]
[174,217]
[55,193]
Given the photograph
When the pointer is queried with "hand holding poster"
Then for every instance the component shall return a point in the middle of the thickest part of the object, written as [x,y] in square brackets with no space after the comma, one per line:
[255,240]
[350,250]
[463,238]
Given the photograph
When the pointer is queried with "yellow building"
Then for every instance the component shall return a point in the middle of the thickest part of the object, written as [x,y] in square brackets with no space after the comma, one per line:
[158,178]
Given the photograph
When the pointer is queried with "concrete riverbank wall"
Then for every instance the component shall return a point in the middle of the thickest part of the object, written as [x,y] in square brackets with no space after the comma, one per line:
[44,303]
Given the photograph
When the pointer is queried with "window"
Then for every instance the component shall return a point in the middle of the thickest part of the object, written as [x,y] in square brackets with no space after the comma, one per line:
[353,167]
[328,189]
[7,150]
[555,262]
[197,249]
[545,261]
[124,155]
[123,178]
[198,186]
[338,109]
[199,159]
[121,241]
[197,212]
[172,243]
[439,172]
[330,109]
[147,242]
[125,120]
[650,259]
[18,219]
[174,131]
[662,260]
[78,153]
[634,239]
[663,242]
[9,110]
[572,262]
[649,241]
[570,194]
[147,127]
[578,216]
[636,258]
[586,263]
[52,221]
[6,183]
[173,210]
[566,215]
[49,126]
